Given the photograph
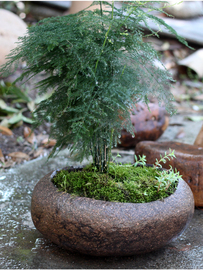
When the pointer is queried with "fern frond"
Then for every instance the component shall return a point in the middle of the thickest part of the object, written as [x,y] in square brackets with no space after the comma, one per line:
[98,66]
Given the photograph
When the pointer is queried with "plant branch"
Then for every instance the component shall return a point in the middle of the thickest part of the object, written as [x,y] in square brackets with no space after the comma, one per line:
[106,36]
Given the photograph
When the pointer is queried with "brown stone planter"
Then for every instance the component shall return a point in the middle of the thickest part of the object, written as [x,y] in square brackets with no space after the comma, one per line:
[103,228]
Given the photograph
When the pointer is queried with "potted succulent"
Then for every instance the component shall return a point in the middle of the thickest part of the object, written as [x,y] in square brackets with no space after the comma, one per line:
[98,67]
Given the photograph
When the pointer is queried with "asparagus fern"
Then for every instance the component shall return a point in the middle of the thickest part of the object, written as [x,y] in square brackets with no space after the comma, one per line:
[98,66]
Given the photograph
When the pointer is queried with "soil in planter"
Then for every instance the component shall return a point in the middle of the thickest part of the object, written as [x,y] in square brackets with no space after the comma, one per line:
[123,183]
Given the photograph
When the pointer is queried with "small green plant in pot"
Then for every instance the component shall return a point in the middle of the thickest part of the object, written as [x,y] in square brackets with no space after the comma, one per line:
[99,67]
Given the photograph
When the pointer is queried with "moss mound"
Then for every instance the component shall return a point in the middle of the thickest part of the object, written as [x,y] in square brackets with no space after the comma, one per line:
[123,183]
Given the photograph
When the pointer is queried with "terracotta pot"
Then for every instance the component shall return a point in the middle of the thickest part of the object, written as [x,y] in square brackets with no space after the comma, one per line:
[188,161]
[101,228]
[149,123]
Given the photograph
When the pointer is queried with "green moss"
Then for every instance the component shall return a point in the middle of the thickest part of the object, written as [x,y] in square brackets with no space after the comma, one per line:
[25,252]
[123,183]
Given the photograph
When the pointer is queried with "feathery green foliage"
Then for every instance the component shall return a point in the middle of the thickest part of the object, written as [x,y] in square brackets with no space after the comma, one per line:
[99,67]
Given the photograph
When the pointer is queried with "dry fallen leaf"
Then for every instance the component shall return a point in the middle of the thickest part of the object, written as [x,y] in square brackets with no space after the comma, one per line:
[48,142]
[26,132]
[180,134]
[38,152]
[180,92]
[1,157]
[40,137]
[182,248]
[29,135]
[199,138]
[18,155]
[199,97]
[9,163]
[5,131]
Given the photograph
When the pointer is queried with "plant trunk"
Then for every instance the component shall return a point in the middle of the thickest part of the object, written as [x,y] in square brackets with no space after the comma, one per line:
[100,155]
[101,149]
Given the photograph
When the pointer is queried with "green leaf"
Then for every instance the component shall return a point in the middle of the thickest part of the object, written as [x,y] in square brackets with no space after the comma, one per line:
[31,105]
[2,104]
[15,119]
[4,123]
[19,117]
[8,109]
[27,120]
[43,97]
[196,118]
[19,93]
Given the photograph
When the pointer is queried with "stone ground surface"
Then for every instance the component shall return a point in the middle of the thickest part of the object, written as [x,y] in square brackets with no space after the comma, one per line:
[22,246]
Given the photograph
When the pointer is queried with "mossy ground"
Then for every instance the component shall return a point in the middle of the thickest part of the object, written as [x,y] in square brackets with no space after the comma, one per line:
[123,183]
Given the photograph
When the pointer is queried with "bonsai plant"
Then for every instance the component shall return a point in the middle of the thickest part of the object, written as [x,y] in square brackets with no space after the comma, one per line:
[98,67]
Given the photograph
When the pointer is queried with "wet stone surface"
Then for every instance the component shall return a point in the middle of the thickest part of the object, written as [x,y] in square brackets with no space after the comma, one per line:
[22,246]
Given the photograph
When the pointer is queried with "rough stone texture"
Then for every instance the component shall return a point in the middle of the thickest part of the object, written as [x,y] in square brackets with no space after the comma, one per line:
[188,161]
[102,228]
[11,27]
[148,125]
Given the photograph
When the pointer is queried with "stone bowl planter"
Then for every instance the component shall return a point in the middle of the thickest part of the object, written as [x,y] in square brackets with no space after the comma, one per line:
[101,228]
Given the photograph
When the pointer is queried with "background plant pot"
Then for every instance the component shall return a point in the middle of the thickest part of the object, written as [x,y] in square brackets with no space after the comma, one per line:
[188,161]
[149,123]
[103,228]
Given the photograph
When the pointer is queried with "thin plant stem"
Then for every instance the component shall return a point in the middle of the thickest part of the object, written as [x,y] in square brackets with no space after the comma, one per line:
[106,36]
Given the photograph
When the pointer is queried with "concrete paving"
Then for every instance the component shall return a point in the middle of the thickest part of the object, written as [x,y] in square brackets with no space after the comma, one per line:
[22,246]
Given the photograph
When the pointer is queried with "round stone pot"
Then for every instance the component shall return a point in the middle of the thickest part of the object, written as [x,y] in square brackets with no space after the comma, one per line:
[101,228]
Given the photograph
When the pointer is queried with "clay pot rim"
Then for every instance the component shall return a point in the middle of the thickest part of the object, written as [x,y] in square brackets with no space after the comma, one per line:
[181,183]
